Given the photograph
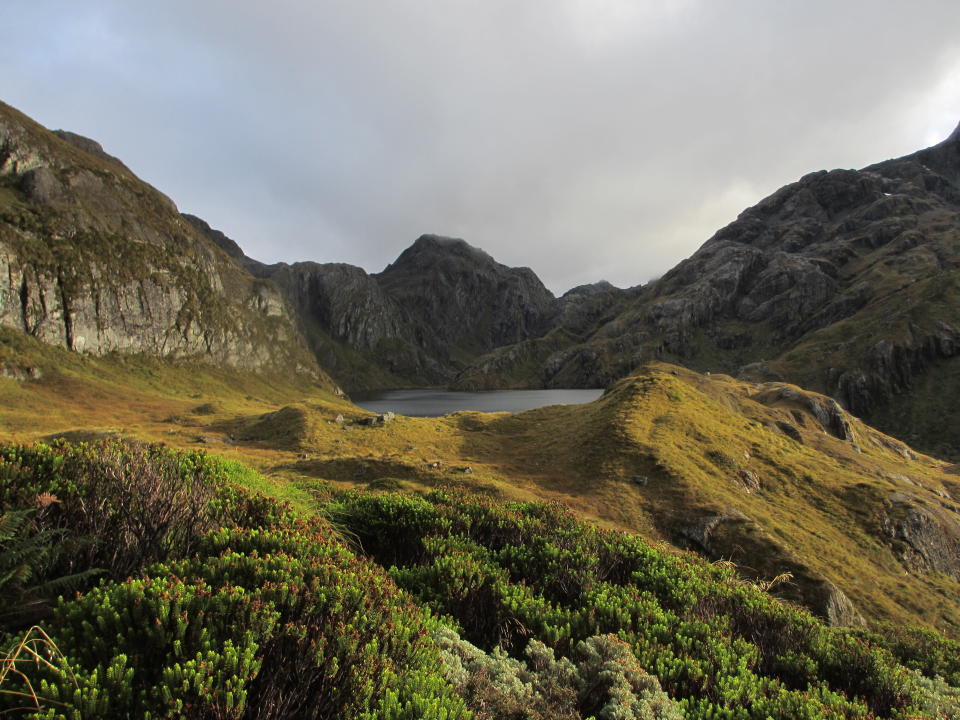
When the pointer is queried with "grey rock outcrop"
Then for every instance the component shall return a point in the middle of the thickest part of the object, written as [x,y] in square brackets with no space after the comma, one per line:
[825,410]
[924,538]
[832,604]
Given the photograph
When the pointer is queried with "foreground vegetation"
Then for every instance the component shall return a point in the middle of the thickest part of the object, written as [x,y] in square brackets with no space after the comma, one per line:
[184,595]
[213,603]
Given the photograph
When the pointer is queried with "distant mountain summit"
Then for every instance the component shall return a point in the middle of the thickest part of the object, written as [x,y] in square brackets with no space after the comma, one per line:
[422,320]
[430,249]
[463,301]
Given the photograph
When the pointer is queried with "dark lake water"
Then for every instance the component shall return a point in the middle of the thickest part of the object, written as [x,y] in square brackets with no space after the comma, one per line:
[432,403]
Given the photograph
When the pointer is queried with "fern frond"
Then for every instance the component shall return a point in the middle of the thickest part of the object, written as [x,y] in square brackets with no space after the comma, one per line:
[11,522]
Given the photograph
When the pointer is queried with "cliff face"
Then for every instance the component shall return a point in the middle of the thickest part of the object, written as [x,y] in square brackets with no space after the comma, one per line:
[343,299]
[355,328]
[94,260]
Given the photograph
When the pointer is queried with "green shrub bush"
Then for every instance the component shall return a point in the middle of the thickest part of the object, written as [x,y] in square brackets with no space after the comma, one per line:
[217,604]
[924,650]
[722,648]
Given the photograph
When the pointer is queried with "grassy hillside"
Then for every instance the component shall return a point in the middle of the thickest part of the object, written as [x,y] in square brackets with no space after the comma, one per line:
[767,477]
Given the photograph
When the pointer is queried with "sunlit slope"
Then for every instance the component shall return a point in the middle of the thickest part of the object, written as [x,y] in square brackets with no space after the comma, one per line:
[772,478]
[766,476]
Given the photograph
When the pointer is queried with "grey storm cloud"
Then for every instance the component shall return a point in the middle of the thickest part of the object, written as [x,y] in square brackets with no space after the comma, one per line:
[586,139]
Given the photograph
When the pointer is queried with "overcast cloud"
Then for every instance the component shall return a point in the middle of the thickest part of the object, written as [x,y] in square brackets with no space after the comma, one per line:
[586,139]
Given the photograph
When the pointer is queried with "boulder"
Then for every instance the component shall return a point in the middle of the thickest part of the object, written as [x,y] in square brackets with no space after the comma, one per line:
[924,538]
[829,602]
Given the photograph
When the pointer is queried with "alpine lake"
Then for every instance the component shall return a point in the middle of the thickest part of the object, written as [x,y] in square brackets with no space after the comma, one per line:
[434,403]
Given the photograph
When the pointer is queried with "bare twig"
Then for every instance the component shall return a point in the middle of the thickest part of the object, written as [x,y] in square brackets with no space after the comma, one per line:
[29,649]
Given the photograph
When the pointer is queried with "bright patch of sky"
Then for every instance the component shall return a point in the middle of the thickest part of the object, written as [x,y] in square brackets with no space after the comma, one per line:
[940,111]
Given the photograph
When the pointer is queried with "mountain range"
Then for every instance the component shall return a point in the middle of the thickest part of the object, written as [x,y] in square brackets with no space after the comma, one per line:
[844,282]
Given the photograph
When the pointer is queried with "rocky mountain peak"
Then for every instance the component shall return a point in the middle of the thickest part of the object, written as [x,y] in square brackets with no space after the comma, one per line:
[440,281]
[430,250]
[442,241]
[589,289]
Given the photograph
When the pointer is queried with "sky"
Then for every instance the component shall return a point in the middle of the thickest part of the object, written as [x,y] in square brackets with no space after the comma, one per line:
[586,139]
